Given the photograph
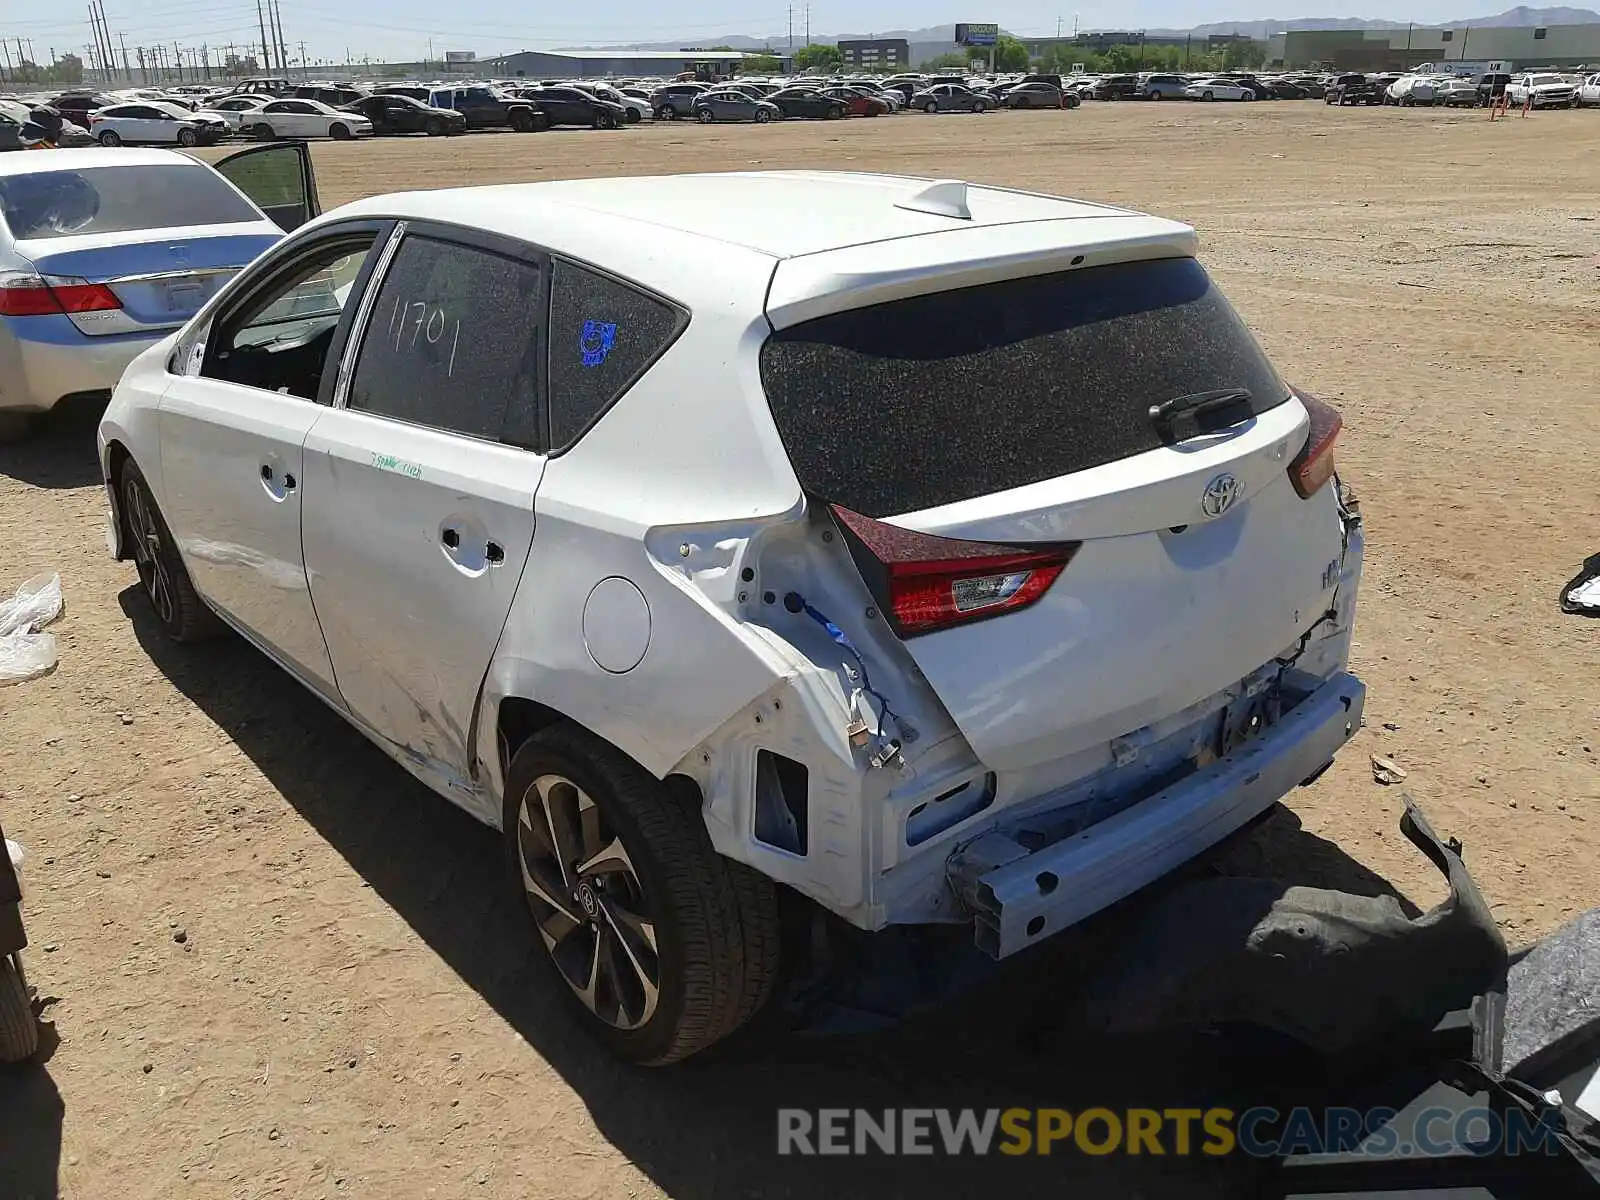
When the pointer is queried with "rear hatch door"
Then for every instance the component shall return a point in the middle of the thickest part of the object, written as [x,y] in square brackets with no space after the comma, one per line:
[1017,416]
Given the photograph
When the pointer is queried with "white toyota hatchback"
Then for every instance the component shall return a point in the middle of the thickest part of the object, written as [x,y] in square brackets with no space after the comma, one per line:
[926,553]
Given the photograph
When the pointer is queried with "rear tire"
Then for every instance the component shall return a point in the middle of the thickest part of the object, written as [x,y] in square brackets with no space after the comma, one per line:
[110,138]
[166,580]
[520,121]
[634,116]
[675,945]
[339,133]
[19,1028]
[1072,101]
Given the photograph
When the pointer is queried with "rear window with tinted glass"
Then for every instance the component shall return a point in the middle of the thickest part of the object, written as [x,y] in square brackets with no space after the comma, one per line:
[946,396]
[50,204]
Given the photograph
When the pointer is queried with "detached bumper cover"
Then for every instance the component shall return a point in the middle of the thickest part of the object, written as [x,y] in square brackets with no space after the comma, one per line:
[1020,898]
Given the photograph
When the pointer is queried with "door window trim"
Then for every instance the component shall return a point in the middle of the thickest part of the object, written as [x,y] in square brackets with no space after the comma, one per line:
[474,239]
[270,270]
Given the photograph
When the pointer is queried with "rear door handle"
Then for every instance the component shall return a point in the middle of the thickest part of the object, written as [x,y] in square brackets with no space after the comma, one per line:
[495,553]
[451,539]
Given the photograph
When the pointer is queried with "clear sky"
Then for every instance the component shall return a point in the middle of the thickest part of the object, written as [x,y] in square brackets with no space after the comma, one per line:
[401,29]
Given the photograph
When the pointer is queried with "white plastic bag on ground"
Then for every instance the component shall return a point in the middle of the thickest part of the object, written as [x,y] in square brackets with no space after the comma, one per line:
[26,653]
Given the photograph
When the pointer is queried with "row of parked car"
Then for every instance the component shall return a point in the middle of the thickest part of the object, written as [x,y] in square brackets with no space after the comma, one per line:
[1534,89]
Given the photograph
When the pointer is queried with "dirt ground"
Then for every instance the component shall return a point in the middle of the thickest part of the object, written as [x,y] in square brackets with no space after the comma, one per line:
[354,1008]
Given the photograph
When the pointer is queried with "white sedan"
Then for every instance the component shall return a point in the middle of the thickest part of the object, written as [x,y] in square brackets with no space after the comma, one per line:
[306,119]
[236,111]
[154,122]
[1218,89]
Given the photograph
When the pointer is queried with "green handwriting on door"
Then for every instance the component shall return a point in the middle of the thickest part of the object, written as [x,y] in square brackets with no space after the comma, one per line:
[388,462]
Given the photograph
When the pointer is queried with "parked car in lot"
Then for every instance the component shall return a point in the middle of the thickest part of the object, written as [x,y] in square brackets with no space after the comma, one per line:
[574,106]
[1589,90]
[1354,88]
[1164,87]
[306,119]
[1456,93]
[1411,90]
[725,104]
[1218,89]
[857,104]
[1491,87]
[104,252]
[395,115]
[950,97]
[485,108]
[1034,95]
[153,123]
[634,108]
[235,110]
[1543,90]
[76,106]
[675,100]
[697,487]
[1118,87]
[807,102]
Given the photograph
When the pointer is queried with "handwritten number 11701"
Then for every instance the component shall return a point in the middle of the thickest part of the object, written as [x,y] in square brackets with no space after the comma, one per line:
[425,324]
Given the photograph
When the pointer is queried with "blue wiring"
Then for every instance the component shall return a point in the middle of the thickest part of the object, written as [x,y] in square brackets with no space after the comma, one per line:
[842,639]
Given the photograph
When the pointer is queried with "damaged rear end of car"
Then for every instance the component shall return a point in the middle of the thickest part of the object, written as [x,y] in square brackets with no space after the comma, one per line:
[1070,592]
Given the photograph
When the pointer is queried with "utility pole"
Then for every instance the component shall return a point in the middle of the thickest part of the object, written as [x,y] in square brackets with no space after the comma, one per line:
[277,28]
[177,51]
[205,57]
[791,29]
[303,74]
[109,54]
[144,75]
[127,71]
[261,21]
[808,24]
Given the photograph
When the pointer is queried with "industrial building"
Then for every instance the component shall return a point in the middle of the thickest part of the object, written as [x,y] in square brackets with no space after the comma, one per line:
[613,64]
[1407,47]
[875,54]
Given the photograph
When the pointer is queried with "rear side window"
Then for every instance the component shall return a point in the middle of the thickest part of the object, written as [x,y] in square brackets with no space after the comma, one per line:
[946,396]
[50,204]
[453,342]
[604,334]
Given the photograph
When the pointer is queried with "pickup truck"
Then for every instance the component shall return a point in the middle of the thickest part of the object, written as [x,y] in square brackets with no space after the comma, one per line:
[485,108]
[1541,90]
[1353,89]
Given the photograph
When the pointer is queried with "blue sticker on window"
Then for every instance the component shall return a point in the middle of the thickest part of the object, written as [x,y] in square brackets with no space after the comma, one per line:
[596,341]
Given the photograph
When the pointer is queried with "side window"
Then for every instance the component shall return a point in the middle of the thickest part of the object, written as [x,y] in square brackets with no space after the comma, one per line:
[454,341]
[604,334]
[277,339]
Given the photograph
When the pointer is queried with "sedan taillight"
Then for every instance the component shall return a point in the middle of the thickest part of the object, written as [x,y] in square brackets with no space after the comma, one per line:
[26,295]
[925,583]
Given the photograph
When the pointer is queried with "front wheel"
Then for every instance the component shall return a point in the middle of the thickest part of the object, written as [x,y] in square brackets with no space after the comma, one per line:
[705,116]
[605,121]
[521,121]
[1152,95]
[762,116]
[339,133]
[434,127]
[665,946]
[1073,101]
[1247,96]
[666,113]
[166,581]
[932,106]
[979,106]
[1208,96]
[634,116]
[188,137]
[834,113]
[110,138]
[19,1028]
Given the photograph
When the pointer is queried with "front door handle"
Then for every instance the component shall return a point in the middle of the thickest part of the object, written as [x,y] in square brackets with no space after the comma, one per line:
[450,538]
[495,553]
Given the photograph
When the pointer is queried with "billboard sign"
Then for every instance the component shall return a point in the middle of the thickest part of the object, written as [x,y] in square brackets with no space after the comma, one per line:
[972,34]
[454,57]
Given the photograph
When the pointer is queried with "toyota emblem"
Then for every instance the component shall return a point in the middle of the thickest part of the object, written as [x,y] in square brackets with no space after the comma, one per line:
[1220,494]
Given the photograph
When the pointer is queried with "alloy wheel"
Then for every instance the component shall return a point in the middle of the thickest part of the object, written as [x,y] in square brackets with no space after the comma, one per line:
[588,902]
[145,535]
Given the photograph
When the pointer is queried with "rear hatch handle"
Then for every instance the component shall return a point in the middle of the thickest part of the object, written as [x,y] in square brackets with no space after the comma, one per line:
[1196,407]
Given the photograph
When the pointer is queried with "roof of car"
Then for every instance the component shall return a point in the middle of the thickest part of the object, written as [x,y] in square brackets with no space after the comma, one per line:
[779,213]
[76,159]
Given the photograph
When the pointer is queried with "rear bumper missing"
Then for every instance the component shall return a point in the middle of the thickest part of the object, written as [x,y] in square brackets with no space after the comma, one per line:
[1020,898]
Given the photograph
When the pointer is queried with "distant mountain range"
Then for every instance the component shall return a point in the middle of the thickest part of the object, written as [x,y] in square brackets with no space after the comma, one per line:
[937,38]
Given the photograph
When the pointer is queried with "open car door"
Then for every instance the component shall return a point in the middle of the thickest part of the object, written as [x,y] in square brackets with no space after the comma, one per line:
[279,178]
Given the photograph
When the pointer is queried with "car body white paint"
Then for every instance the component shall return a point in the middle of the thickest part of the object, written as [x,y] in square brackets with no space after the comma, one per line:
[1218,89]
[623,603]
[1589,92]
[1541,90]
[297,118]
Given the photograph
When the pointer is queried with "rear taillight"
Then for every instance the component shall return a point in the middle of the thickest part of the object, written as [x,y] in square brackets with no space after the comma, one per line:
[925,583]
[25,295]
[1313,466]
